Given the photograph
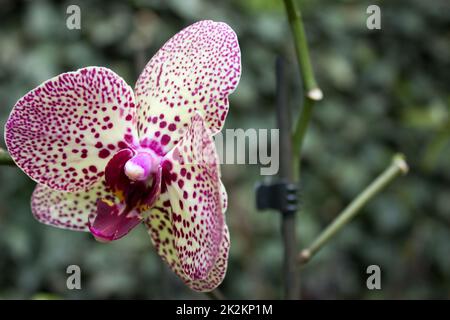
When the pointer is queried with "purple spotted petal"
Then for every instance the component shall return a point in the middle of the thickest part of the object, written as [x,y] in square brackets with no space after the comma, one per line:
[67,210]
[195,70]
[224,198]
[63,132]
[187,222]
[217,273]
[159,227]
[192,178]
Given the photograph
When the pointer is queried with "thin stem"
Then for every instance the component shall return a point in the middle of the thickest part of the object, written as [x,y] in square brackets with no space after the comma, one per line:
[5,159]
[215,295]
[299,133]
[293,143]
[312,91]
[301,47]
[397,167]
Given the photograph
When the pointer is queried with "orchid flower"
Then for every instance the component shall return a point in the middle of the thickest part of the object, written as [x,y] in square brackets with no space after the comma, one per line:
[107,159]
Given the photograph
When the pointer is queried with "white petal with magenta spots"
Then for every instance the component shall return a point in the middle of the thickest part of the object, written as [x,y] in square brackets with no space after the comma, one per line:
[195,70]
[159,227]
[67,210]
[224,198]
[191,175]
[63,132]
[217,273]
[187,223]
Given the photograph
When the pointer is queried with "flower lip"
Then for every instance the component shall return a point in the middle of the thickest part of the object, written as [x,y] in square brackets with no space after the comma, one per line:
[135,178]
[113,221]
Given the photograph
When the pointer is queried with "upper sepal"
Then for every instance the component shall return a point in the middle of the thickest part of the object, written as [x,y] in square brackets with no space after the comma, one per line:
[195,71]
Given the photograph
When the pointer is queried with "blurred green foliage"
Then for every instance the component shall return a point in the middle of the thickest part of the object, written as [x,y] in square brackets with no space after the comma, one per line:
[385,91]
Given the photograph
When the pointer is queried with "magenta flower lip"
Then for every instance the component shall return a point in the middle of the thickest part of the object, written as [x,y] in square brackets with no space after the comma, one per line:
[107,158]
[112,222]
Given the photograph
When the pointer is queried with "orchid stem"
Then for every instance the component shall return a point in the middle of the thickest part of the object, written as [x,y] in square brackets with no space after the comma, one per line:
[5,158]
[216,294]
[397,167]
[293,142]
[300,132]
[312,92]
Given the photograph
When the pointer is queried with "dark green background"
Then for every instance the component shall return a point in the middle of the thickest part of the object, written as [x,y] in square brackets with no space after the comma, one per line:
[386,91]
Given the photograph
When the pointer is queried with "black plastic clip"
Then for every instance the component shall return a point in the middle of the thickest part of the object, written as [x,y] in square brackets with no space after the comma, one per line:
[278,195]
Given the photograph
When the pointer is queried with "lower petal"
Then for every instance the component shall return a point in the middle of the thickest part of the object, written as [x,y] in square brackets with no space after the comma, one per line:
[217,273]
[67,210]
[159,227]
[187,223]
[191,178]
